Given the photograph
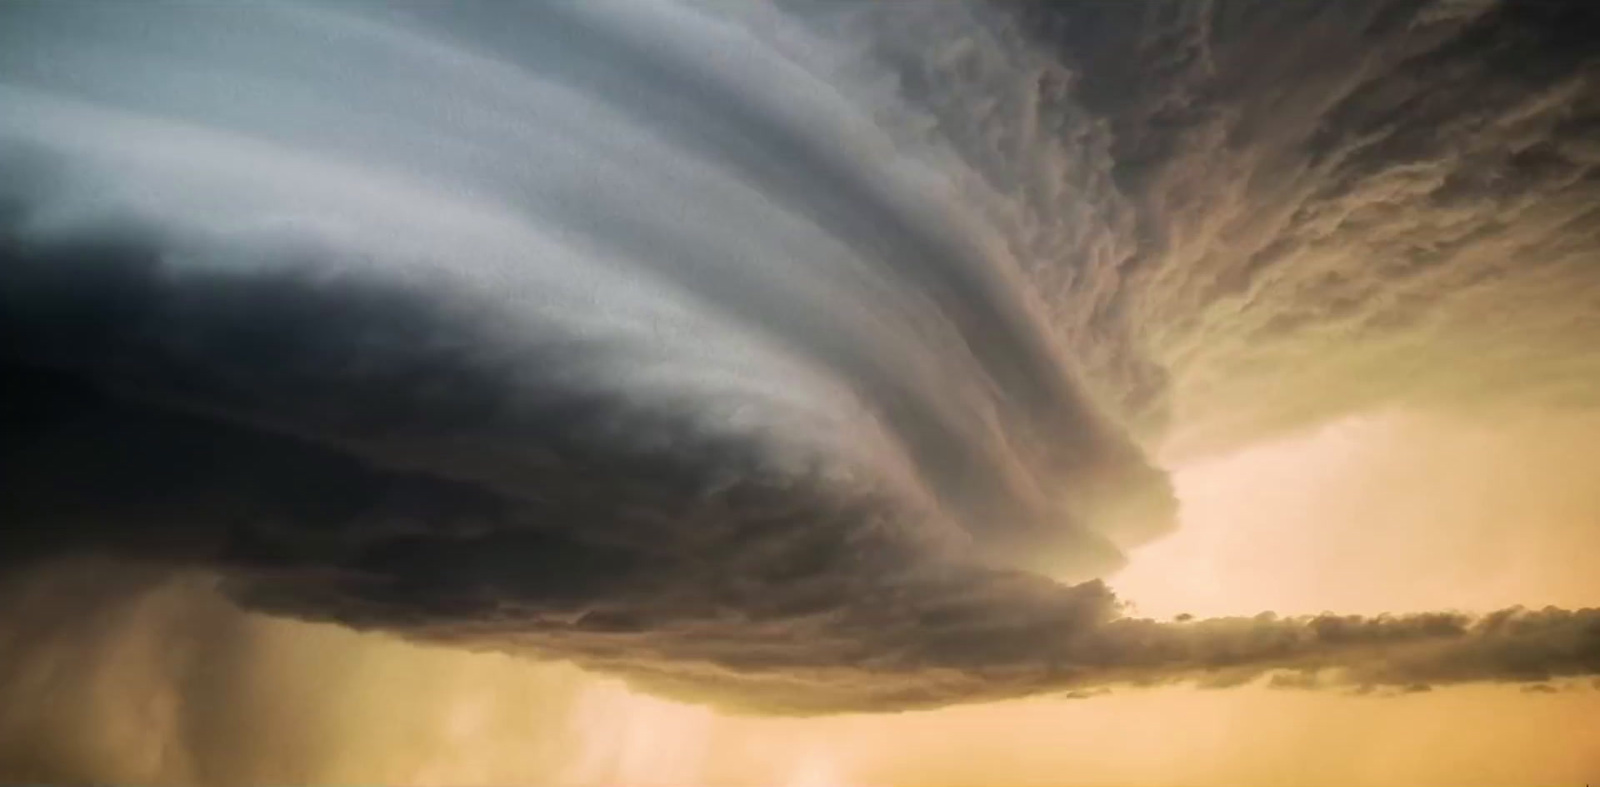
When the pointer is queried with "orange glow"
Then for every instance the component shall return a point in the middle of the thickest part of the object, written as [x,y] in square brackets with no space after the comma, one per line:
[1378,514]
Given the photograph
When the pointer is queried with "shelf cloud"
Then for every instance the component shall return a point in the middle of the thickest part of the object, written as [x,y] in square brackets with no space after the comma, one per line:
[801,361]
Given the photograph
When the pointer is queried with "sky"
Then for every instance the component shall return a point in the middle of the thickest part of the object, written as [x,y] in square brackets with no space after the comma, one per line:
[665,393]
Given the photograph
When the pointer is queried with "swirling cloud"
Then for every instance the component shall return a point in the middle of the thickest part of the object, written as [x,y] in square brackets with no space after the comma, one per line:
[763,359]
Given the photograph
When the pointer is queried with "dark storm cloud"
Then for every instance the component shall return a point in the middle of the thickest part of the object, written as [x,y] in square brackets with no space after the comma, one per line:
[1248,217]
[619,334]
[1368,204]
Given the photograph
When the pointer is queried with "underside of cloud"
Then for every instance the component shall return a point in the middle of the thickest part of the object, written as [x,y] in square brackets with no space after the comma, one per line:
[795,363]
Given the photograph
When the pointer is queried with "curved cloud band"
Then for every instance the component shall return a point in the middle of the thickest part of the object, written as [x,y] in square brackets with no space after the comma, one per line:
[762,359]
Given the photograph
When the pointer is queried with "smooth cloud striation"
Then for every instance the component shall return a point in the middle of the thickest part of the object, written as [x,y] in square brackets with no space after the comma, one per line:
[772,358]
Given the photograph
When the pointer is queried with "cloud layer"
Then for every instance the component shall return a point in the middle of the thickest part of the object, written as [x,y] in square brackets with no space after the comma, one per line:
[772,359]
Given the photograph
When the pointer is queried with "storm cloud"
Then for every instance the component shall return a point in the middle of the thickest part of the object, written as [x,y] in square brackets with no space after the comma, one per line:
[799,361]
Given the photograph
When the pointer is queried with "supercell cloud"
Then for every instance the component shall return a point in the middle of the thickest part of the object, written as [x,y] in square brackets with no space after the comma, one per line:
[801,360]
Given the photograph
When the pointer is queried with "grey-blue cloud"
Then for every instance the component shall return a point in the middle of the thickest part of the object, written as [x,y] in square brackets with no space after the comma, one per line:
[753,360]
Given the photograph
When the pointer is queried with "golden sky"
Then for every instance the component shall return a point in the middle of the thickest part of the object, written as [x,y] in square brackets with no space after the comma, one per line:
[1380,513]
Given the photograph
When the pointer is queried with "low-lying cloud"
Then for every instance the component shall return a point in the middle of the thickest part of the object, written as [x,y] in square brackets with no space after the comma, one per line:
[771,363]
